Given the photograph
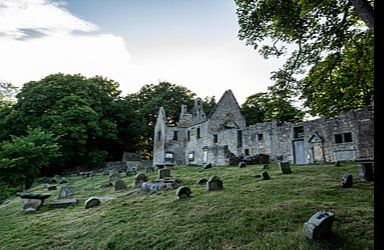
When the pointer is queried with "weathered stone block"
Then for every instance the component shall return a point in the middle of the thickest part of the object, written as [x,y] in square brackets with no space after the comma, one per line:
[165,172]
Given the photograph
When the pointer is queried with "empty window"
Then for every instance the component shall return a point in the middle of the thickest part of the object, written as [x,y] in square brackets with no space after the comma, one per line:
[246,151]
[198,133]
[188,135]
[298,132]
[239,138]
[159,135]
[215,139]
[175,136]
[260,137]
[344,137]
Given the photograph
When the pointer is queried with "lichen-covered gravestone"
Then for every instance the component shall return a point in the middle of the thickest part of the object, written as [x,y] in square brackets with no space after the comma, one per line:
[114,175]
[209,165]
[265,175]
[92,202]
[346,180]
[183,192]
[120,185]
[214,183]
[285,167]
[242,164]
[139,180]
[164,172]
[319,225]
[202,181]
[66,191]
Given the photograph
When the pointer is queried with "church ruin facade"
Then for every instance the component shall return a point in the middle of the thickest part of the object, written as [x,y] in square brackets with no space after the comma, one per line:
[199,139]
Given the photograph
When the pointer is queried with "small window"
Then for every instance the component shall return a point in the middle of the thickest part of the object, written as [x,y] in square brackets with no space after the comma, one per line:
[175,136]
[191,156]
[298,132]
[338,138]
[215,139]
[188,135]
[239,138]
[344,137]
[347,137]
[260,137]
[159,135]
[198,133]
[246,152]
[168,156]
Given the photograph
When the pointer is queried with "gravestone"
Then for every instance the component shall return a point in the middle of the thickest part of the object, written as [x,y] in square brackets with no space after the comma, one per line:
[66,191]
[209,165]
[164,172]
[139,180]
[265,166]
[366,169]
[156,186]
[92,202]
[202,181]
[106,172]
[63,202]
[214,183]
[285,167]
[32,202]
[337,163]
[242,164]
[106,184]
[347,180]
[120,185]
[114,175]
[265,175]
[63,181]
[183,192]
[319,225]
[52,181]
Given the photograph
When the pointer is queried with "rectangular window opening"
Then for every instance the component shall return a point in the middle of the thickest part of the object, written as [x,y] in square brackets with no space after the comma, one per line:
[239,138]
[175,136]
[215,139]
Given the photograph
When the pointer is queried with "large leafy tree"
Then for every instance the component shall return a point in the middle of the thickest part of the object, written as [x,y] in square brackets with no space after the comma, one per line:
[316,29]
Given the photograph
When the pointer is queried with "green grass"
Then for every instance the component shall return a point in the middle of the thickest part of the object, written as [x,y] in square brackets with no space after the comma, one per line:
[249,213]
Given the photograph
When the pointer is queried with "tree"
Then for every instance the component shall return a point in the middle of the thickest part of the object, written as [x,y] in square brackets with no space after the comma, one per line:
[7,91]
[262,107]
[317,28]
[22,158]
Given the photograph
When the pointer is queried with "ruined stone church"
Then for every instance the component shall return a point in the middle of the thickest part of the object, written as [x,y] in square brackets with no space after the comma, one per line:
[199,139]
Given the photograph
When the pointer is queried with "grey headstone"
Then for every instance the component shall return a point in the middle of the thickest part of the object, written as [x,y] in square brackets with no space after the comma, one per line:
[139,180]
[106,184]
[92,202]
[155,186]
[66,191]
[265,175]
[64,202]
[242,164]
[114,175]
[202,181]
[30,204]
[209,165]
[347,180]
[366,171]
[165,172]
[120,185]
[319,225]
[214,183]
[106,172]
[285,167]
[265,166]
[183,192]
[337,164]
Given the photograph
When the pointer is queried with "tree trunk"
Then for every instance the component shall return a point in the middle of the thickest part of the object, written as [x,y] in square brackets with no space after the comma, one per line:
[365,12]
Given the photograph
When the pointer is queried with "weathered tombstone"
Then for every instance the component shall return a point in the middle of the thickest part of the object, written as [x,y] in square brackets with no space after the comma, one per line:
[106,172]
[285,167]
[209,165]
[366,169]
[265,166]
[63,180]
[214,183]
[66,191]
[32,202]
[120,185]
[63,202]
[92,202]
[242,164]
[337,163]
[202,181]
[139,180]
[319,225]
[155,186]
[106,184]
[183,192]
[164,172]
[265,175]
[52,181]
[347,180]
[114,175]
[53,187]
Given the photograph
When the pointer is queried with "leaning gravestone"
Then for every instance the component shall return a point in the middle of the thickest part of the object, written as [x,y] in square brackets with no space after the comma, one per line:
[285,167]
[66,191]
[92,202]
[209,165]
[319,225]
[202,181]
[242,164]
[164,172]
[347,180]
[265,166]
[114,175]
[120,185]
[106,184]
[183,192]
[265,175]
[214,183]
[139,180]
[63,202]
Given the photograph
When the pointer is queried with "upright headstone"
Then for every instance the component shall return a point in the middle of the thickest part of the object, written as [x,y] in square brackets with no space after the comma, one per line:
[183,192]
[202,181]
[265,166]
[366,171]
[337,164]
[92,202]
[120,185]
[114,175]
[346,180]
[265,175]
[209,165]
[319,225]
[164,172]
[214,183]
[242,164]
[106,184]
[285,167]
[66,191]
[139,180]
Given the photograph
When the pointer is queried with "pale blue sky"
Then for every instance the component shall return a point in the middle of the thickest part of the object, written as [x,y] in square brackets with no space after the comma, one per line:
[135,42]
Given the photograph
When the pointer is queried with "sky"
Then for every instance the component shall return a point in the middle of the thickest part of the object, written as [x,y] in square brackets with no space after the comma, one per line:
[193,43]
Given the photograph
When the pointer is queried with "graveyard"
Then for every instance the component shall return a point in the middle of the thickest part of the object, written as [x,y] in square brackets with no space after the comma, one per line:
[249,212]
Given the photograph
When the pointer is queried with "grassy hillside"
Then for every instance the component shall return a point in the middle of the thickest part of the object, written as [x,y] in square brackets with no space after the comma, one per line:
[249,213]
